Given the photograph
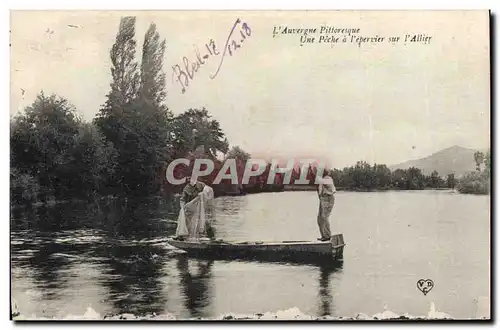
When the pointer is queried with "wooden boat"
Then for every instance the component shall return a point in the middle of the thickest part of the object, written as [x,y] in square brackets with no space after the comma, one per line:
[278,251]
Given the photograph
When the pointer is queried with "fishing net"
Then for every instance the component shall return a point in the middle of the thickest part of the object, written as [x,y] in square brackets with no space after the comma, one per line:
[193,218]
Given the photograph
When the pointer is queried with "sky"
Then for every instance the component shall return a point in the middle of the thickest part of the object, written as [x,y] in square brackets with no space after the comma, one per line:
[275,97]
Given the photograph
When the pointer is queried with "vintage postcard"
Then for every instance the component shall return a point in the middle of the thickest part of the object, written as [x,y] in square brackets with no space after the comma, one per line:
[250,165]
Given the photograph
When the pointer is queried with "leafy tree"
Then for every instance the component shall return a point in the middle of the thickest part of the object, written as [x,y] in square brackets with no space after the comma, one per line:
[124,71]
[240,157]
[383,175]
[451,181]
[93,160]
[237,153]
[435,180]
[155,118]
[474,183]
[52,148]
[479,159]
[338,178]
[152,86]
[135,118]
[477,182]
[196,128]
[415,179]
[42,140]
[124,85]
[24,188]
[487,163]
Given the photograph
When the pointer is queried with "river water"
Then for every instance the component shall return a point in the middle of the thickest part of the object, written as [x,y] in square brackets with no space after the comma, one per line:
[114,259]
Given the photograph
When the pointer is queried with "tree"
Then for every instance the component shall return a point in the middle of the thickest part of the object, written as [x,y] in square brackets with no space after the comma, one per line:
[237,153]
[124,85]
[153,114]
[477,182]
[487,163]
[415,179]
[450,181]
[240,157]
[399,179]
[347,177]
[195,128]
[124,66]
[337,178]
[479,159]
[117,118]
[55,154]
[363,176]
[135,118]
[152,87]
[24,188]
[435,179]
[42,139]
[94,161]
[383,174]
[473,183]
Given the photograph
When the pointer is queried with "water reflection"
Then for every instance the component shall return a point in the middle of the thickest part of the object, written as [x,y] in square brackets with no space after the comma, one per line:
[47,241]
[130,269]
[53,265]
[326,306]
[48,263]
[195,285]
[133,266]
[132,274]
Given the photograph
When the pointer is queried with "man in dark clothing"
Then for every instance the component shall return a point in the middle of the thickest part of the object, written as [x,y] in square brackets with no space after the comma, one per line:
[192,189]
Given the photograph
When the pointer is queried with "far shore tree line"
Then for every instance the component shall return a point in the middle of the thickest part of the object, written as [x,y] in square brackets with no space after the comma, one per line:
[55,155]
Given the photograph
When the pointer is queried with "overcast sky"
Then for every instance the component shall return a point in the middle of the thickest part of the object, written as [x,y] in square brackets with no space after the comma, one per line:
[384,102]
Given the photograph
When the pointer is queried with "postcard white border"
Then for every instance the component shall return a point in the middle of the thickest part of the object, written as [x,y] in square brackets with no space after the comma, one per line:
[6,6]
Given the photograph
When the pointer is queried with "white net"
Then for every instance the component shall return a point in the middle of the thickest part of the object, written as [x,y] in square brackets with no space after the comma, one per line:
[194,216]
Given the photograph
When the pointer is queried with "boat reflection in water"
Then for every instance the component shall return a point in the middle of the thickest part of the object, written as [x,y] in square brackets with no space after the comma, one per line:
[325,292]
[195,285]
[198,289]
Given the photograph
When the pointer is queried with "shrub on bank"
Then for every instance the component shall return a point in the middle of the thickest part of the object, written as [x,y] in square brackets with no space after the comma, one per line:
[474,183]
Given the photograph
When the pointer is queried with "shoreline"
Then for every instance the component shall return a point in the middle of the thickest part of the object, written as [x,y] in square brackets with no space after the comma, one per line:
[292,314]
[52,203]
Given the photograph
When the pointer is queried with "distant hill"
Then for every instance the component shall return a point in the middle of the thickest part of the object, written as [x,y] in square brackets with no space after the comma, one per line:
[455,160]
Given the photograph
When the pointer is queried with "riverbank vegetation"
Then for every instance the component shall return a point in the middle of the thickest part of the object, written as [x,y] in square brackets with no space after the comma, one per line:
[125,150]
[478,182]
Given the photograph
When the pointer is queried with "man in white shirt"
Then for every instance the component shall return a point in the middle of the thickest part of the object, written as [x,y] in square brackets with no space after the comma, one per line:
[326,194]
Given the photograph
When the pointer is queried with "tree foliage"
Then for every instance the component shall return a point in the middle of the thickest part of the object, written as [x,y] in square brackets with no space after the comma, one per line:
[479,159]
[195,128]
[152,87]
[478,182]
[126,149]
[237,153]
[50,145]
[135,119]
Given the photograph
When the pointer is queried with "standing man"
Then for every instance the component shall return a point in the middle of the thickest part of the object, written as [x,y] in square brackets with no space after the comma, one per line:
[192,190]
[326,194]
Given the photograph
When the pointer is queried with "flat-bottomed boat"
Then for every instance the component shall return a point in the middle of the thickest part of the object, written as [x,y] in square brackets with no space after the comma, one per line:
[255,250]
